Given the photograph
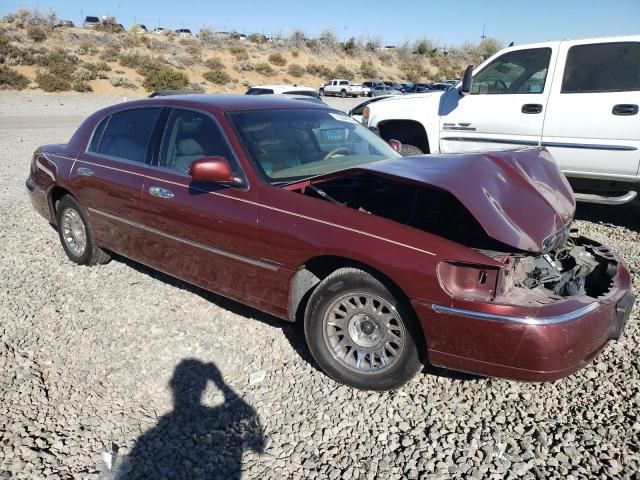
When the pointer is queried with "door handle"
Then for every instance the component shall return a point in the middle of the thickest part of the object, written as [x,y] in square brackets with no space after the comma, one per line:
[160,192]
[84,171]
[531,108]
[625,109]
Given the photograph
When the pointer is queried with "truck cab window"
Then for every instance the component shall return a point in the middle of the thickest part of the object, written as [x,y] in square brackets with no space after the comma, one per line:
[521,71]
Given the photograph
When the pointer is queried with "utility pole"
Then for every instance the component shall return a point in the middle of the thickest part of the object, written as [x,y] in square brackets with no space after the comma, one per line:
[483,36]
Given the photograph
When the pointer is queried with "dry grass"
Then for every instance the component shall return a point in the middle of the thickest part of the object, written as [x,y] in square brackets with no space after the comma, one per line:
[80,59]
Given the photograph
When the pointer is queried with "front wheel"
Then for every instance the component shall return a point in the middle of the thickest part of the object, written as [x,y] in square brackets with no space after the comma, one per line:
[343,93]
[407,150]
[360,334]
[76,235]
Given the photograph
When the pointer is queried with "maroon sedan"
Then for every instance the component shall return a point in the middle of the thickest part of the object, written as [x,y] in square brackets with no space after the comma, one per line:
[465,261]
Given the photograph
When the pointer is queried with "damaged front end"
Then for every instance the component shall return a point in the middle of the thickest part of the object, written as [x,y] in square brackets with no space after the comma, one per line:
[578,267]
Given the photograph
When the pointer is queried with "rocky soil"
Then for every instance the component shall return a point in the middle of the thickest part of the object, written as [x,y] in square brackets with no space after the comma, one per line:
[121,366]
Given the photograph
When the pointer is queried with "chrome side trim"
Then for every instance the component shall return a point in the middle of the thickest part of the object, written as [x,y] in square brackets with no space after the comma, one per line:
[33,186]
[589,146]
[554,320]
[491,140]
[605,199]
[268,207]
[259,263]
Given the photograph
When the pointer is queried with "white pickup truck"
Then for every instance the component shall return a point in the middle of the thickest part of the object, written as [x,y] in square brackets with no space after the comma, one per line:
[343,88]
[577,98]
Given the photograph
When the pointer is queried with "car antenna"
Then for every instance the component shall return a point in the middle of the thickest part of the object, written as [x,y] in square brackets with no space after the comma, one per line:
[512,44]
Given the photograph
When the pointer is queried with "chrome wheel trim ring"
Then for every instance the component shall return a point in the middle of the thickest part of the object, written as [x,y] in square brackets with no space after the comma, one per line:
[74,233]
[364,332]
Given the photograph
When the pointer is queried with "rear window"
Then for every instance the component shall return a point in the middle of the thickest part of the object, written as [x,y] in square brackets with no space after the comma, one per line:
[92,19]
[125,134]
[602,67]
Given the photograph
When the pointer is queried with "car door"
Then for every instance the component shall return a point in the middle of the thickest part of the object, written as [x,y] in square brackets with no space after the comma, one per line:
[107,177]
[592,126]
[505,107]
[205,234]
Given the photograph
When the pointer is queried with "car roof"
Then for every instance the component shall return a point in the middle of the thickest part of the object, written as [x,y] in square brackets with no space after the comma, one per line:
[225,103]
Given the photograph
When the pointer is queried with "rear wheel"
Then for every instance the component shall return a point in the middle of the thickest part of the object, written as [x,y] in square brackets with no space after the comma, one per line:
[360,334]
[76,235]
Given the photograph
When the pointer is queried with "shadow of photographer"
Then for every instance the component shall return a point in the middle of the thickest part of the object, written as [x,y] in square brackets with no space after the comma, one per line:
[195,441]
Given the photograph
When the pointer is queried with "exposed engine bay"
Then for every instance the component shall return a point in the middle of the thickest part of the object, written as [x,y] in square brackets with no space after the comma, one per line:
[576,266]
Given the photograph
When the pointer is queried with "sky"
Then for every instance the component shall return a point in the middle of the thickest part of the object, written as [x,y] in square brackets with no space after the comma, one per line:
[448,23]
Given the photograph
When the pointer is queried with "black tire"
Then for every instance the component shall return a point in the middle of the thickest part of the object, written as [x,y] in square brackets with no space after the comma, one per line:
[91,254]
[321,92]
[339,285]
[408,150]
[343,93]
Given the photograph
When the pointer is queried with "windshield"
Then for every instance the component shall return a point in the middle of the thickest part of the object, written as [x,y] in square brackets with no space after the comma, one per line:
[292,144]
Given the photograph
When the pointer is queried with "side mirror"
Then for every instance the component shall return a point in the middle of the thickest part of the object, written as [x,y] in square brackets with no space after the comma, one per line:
[395,144]
[212,170]
[465,89]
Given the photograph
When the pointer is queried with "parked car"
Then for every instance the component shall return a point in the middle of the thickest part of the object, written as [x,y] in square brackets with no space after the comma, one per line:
[356,112]
[184,32]
[64,24]
[91,22]
[139,28]
[159,30]
[384,90]
[418,88]
[343,88]
[440,86]
[282,89]
[577,98]
[296,209]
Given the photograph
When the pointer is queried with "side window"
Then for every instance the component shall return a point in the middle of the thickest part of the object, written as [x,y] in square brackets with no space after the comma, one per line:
[126,134]
[344,82]
[521,71]
[189,136]
[97,135]
[602,67]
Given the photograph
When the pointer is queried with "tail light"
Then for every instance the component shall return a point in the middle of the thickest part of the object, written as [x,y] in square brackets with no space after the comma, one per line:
[365,116]
[468,281]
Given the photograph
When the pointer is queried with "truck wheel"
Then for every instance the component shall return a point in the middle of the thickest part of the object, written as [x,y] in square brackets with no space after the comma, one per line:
[408,150]
[343,93]
[321,92]
[360,333]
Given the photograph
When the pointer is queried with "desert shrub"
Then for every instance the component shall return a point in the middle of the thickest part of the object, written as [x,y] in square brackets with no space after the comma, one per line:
[257,38]
[81,86]
[206,35]
[197,87]
[12,54]
[160,78]
[82,74]
[342,72]
[108,25]
[111,53]
[131,40]
[424,46]
[277,59]
[328,39]
[297,39]
[219,77]
[367,69]
[264,68]
[52,83]
[12,80]
[37,33]
[295,53]
[58,63]
[296,70]
[351,46]
[136,60]
[239,52]
[319,70]
[122,82]
[385,58]
[243,66]
[373,44]
[413,70]
[214,63]
[487,47]
[194,49]
[313,44]
[87,47]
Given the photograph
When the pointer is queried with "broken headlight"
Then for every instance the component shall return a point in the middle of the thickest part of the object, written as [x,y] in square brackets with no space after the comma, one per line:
[556,240]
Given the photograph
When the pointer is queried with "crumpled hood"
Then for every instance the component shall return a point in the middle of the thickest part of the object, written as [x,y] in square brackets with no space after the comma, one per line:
[520,197]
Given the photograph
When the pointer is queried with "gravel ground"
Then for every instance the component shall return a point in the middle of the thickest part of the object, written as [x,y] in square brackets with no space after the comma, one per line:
[106,365]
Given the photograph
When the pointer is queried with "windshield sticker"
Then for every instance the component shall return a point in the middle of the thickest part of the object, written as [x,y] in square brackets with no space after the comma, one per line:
[341,117]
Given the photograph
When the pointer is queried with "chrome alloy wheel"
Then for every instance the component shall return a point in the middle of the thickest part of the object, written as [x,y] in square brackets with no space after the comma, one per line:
[73,232]
[364,332]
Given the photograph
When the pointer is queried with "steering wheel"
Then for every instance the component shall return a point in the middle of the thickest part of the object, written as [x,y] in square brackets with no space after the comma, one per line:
[336,151]
[500,85]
